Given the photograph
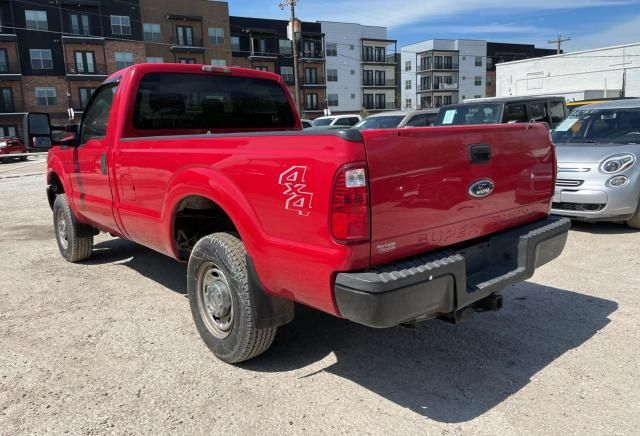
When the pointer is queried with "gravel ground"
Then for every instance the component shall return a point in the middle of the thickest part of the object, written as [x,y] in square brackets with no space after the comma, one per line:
[109,346]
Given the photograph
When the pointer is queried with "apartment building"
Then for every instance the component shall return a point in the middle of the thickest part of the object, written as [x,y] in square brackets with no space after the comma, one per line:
[263,44]
[498,52]
[194,31]
[362,68]
[54,54]
[439,72]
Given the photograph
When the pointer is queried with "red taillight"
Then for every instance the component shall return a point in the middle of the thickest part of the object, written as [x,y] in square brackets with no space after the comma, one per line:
[350,205]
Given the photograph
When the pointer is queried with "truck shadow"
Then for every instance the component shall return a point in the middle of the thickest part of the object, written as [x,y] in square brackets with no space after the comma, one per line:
[158,267]
[602,228]
[448,373]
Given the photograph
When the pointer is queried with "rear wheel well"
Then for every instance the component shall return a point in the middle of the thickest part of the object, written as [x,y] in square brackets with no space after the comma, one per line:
[54,188]
[195,218]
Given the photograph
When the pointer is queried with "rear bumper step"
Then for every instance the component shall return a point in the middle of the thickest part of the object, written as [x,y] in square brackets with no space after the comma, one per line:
[443,283]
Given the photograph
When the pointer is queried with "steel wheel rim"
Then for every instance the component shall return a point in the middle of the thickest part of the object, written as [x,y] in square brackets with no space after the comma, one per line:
[61,226]
[215,301]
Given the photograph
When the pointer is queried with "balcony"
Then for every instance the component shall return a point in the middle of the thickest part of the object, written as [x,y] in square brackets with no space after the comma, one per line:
[437,66]
[263,55]
[187,45]
[391,105]
[378,58]
[423,87]
[387,83]
[83,39]
[84,70]
[10,71]
[445,86]
[311,83]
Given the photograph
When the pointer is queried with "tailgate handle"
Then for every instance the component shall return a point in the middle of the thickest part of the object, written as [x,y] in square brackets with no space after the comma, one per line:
[479,153]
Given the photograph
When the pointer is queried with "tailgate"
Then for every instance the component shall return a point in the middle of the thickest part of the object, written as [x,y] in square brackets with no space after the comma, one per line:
[426,192]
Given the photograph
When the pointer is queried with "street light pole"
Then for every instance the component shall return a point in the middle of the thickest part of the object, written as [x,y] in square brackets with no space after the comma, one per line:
[296,86]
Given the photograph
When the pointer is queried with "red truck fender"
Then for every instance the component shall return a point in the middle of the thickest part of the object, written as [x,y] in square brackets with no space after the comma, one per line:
[216,187]
[269,311]
[57,179]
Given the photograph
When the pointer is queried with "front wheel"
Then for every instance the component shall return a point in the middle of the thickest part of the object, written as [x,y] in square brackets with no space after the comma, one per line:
[74,243]
[221,302]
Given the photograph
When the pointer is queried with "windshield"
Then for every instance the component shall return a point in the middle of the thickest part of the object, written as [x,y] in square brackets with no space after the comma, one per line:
[389,122]
[617,126]
[322,122]
[481,113]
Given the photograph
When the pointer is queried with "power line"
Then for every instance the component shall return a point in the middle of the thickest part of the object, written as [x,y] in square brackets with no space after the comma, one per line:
[559,42]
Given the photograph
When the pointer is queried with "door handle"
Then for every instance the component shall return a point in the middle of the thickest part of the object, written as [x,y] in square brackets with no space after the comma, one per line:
[479,153]
[103,163]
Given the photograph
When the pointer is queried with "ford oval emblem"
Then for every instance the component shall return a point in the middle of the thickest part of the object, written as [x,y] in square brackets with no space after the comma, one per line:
[481,188]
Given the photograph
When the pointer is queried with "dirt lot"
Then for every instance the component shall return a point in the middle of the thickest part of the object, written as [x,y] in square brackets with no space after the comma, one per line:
[109,346]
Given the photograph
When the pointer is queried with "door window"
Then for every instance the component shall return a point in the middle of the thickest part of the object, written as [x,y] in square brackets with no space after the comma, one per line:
[538,112]
[185,35]
[96,117]
[515,113]
[85,62]
[556,111]
[418,121]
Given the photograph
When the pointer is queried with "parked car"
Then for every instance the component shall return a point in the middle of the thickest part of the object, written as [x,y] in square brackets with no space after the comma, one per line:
[398,119]
[337,121]
[306,123]
[550,110]
[598,148]
[11,145]
[382,227]
[571,105]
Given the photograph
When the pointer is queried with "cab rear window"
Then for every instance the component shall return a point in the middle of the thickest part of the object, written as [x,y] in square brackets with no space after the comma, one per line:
[210,102]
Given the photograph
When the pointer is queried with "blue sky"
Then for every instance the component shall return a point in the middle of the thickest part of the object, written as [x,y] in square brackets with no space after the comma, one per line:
[590,23]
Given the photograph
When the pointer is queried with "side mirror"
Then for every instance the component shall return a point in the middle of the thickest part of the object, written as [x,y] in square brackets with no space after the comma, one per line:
[37,131]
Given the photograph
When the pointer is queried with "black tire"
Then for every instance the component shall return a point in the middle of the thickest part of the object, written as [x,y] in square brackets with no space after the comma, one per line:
[634,222]
[73,247]
[220,259]
[23,158]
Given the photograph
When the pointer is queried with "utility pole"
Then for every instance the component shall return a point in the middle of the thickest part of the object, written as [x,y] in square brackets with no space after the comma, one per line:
[294,43]
[559,42]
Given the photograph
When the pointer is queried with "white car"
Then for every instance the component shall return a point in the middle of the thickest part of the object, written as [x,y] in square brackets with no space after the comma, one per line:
[337,121]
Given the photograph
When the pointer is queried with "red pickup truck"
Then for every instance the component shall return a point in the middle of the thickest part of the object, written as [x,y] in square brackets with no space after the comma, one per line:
[210,165]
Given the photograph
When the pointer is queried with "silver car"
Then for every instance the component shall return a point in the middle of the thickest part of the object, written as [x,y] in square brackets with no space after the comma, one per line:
[398,119]
[598,147]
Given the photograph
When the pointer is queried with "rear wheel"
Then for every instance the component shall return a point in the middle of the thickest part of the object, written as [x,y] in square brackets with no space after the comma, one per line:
[221,301]
[23,158]
[634,222]
[72,245]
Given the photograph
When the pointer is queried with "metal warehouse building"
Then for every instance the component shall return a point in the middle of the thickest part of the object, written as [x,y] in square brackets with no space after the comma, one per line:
[604,72]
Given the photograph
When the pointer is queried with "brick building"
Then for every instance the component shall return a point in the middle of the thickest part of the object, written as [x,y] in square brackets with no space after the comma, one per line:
[54,54]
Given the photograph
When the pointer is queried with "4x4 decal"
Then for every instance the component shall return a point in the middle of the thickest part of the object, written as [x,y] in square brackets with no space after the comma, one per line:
[293,182]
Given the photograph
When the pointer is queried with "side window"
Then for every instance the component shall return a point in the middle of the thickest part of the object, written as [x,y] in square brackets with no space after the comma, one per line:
[515,113]
[556,111]
[353,121]
[418,121]
[343,122]
[538,112]
[96,117]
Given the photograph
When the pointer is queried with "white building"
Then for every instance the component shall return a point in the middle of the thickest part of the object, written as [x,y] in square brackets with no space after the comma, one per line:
[598,73]
[438,72]
[361,68]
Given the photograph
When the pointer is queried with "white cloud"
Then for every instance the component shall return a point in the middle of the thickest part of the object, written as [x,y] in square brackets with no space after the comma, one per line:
[385,13]
[493,28]
[618,33]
